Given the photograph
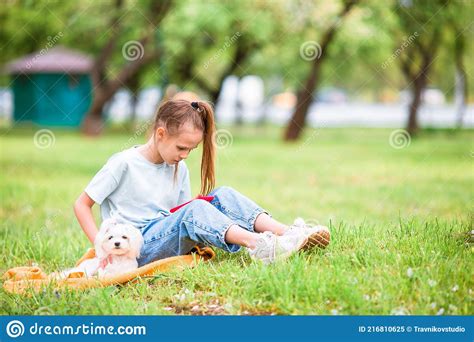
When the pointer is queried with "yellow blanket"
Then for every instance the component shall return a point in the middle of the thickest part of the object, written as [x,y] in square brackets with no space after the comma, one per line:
[21,279]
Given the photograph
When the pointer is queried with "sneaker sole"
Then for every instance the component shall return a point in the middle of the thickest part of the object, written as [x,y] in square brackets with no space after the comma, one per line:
[318,239]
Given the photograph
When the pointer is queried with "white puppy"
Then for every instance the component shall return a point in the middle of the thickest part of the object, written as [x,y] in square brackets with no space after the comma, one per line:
[118,243]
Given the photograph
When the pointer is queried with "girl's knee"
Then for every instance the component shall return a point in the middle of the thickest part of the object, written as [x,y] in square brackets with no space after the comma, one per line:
[198,204]
[223,190]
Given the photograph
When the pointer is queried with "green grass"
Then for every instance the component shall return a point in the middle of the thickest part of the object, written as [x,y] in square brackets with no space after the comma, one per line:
[390,210]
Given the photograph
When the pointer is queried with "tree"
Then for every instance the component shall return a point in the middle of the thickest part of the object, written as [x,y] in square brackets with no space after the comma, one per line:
[140,53]
[125,21]
[461,85]
[459,19]
[421,24]
[205,51]
[305,94]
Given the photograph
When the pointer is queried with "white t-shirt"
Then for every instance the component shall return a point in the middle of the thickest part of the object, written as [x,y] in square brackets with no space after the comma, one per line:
[132,188]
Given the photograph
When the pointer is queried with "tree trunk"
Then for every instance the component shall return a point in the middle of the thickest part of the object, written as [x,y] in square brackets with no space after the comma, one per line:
[417,91]
[460,85]
[305,95]
[93,124]
[460,94]
[304,99]
[134,106]
[419,83]
[418,77]
[134,87]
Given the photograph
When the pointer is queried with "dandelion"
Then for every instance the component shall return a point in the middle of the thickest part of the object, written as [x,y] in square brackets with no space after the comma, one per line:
[410,272]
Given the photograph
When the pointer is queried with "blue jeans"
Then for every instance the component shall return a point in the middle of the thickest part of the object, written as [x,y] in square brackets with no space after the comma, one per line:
[199,223]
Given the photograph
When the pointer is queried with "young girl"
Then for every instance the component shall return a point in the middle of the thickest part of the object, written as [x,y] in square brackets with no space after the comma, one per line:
[141,185]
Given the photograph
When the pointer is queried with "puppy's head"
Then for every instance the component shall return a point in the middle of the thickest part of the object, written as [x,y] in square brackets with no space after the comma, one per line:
[116,238]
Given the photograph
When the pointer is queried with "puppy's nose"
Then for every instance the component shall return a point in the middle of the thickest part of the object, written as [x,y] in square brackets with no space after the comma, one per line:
[117,244]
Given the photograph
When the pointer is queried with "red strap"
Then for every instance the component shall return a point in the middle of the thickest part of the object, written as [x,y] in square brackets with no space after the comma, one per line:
[104,262]
[206,198]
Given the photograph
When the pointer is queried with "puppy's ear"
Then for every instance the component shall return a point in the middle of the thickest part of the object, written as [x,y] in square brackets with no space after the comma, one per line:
[136,242]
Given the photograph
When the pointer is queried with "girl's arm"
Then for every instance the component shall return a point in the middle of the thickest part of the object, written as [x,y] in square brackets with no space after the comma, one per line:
[83,211]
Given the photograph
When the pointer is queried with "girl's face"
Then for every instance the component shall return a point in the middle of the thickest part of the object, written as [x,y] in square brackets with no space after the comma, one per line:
[174,148]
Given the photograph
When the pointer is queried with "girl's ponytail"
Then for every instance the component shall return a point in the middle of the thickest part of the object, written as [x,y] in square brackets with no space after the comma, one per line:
[208,149]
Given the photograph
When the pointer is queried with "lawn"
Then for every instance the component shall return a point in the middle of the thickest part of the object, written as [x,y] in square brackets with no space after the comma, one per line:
[399,219]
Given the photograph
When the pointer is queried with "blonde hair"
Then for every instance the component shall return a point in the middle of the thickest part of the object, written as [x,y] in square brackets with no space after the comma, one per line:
[173,114]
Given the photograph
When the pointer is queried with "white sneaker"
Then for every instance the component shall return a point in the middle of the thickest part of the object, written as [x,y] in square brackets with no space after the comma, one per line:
[318,235]
[271,247]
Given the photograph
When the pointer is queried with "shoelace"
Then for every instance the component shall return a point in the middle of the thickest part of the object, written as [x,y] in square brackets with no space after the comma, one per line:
[295,227]
[305,226]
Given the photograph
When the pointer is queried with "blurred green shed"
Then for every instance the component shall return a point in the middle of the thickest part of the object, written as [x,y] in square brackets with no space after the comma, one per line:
[52,87]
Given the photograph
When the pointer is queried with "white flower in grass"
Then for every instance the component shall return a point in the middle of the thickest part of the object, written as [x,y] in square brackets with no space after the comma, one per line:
[452,308]
[334,312]
[433,305]
[44,311]
[431,282]
[400,311]
[410,272]
[186,294]
[440,312]
[366,297]
[455,288]
[180,297]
